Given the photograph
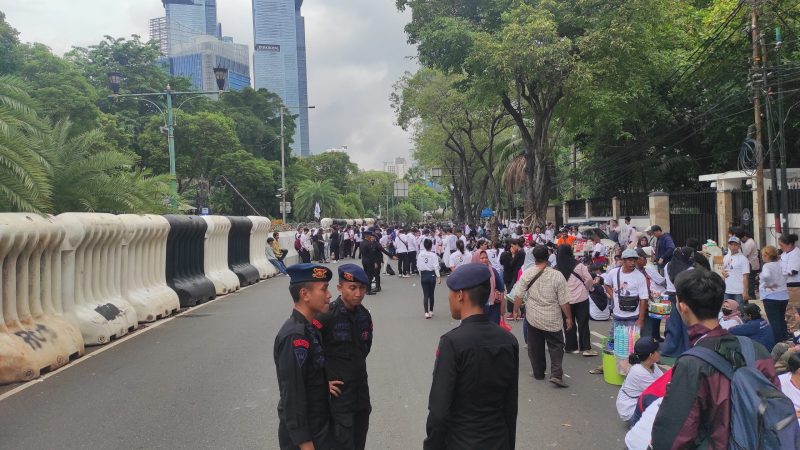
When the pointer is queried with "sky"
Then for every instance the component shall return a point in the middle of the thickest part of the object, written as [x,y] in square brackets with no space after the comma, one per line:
[356,51]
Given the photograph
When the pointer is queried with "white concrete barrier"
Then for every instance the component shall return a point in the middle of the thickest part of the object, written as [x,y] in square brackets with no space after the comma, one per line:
[258,244]
[34,337]
[143,248]
[215,255]
[286,240]
[91,276]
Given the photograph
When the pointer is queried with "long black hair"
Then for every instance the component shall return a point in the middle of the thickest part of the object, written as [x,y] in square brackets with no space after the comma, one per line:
[565,260]
[682,259]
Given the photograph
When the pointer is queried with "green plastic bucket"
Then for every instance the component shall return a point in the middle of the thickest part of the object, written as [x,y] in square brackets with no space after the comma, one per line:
[610,373]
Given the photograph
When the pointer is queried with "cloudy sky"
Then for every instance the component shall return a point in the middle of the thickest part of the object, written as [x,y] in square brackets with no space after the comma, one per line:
[356,51]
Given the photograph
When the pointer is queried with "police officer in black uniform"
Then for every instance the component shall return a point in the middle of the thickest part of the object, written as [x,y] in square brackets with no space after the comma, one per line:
[371,260]
[473,399]
[300,362]
[347,339]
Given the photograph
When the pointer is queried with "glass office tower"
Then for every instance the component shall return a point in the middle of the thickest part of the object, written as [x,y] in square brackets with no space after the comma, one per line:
[279,61]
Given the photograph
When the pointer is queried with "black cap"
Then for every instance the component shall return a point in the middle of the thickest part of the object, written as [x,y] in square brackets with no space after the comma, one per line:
[353,273]
[305,273]
[468,276]
[645,346]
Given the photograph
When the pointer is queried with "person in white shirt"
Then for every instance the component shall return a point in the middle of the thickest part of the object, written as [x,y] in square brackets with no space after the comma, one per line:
[460,257]
[736,271]
[622,234]
[413,247]
[628,288]
[643,372]
[538,237]
[599,253]
[729,315]
[428,265]
[401,244]
[550,232]
[773,292]
[790,266]
[656,284]
[750,251]
[631,234]
[790,382]
[308,246]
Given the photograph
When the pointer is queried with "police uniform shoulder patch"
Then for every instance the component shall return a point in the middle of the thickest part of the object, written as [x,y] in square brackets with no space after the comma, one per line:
[316,324]
[301,343]
[301,354]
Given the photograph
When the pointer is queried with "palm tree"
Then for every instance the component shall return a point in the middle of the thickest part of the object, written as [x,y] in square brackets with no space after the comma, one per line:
[309,192]
[25,162]
[89,177]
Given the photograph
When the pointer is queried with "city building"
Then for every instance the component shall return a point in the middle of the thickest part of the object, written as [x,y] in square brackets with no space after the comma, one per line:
[197,59]
[191,39]
[279,61]
[399,167]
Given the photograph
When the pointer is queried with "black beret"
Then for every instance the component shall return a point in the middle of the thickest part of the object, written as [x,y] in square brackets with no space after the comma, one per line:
[468,276]
[354,273]
[305,273]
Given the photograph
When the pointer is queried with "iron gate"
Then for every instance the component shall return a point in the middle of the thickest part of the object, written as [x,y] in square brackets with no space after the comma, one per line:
[743,210]
[693,215]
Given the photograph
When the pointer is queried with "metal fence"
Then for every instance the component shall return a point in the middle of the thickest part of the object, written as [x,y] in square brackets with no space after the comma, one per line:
[794,201]
[601,207]
[634,205]
[743,209]
[692,215]
[576,208]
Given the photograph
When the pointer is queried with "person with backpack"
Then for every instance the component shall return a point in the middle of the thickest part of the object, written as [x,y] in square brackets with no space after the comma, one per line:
[720,385]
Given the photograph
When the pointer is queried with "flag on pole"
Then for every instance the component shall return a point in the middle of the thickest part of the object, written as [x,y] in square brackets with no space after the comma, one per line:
[317,211]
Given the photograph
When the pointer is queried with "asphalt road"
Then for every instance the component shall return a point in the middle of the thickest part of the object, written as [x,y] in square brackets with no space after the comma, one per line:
[206,380]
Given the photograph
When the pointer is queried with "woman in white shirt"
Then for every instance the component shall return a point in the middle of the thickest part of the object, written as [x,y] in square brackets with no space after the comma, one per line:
[790,266]
[460,256]
[773,292]
[428,266]
[643,372]
[790,382]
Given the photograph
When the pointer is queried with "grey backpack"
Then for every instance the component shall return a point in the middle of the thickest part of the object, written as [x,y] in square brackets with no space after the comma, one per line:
[762,417]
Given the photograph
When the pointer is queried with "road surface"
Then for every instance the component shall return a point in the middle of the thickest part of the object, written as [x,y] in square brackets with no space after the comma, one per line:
[206,380]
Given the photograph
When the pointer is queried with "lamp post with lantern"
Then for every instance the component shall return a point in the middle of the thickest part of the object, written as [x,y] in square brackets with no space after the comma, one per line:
[115,82]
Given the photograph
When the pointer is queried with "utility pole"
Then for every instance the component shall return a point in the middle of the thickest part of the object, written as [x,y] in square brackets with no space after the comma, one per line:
[283,171]
[772,157]
[781,133]
[761,210]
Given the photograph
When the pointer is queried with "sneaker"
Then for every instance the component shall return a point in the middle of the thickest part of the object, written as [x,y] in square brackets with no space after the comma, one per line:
[431,313]
[427,315]
[558,382]
[597,371]
[590,353]
[574,352]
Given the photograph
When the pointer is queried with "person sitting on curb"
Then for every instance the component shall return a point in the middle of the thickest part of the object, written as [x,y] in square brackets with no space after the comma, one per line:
[755,327]
[643,372]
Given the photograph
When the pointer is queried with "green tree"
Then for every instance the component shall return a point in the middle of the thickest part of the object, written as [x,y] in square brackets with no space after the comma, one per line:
[9,47]
[25,160]
[255,178]
[85,179]
[405,212]
[335,167]
[311,192]
[257,118]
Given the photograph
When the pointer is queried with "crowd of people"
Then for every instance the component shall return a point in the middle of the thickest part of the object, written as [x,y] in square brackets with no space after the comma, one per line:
[556,281]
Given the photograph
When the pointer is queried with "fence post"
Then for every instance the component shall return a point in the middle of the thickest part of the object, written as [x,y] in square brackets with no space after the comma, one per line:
[659,210]
[588,209]
[565,212]
[724,216]
[616,207]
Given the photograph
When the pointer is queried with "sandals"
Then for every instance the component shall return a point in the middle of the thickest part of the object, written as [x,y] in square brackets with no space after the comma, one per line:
[588,353]
[596,371]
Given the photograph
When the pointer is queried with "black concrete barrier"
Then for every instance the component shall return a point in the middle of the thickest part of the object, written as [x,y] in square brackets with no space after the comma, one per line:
[239,250]
[185,260]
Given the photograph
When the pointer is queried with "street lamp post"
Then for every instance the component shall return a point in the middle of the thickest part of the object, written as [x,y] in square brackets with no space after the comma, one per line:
[115,81]
[283,159]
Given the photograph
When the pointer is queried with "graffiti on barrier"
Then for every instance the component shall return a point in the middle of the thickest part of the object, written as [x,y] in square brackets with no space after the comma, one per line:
[35,338]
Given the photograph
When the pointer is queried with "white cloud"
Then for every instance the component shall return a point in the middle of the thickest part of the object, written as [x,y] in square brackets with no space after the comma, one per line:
[356,51]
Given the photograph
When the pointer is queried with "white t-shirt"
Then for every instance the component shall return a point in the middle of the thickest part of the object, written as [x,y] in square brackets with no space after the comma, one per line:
[639,437]
[631,284]
[599,250]
[637,380]
[737,266]
[552,260]
[458,259]
[790,262]
[790,390]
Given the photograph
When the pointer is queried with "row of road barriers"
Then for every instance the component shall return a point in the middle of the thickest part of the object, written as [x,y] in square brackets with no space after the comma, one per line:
[83,279]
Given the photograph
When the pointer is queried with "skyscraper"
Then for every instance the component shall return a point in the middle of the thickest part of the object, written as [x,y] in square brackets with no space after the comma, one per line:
[190,36]
[279,61]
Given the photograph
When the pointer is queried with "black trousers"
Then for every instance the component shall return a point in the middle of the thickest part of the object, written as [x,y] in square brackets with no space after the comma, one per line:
[412,260]
[373,271]
[428,282]
[335,251]
[578,337]
[350,416]
[403,266]
[554,340]
[305,256]
[776,315]
[347,249]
